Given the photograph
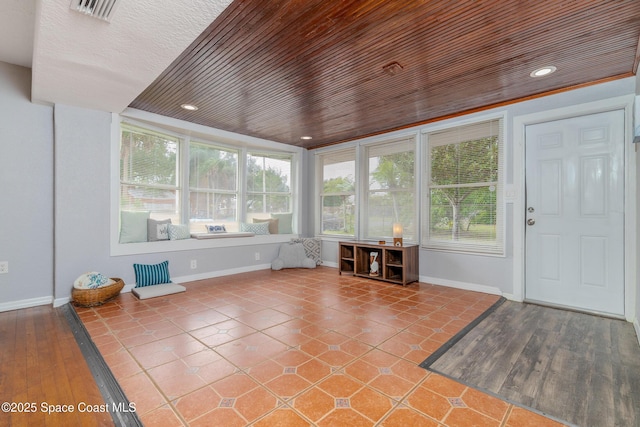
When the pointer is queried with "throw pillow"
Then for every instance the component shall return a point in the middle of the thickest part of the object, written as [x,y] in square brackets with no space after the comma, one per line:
[179,232]
[284,222]
[273,224]
[259,228]
[91,280]
[151,274]
[312,247]
[216,228]
[292,256]
[133,226]
[158,230]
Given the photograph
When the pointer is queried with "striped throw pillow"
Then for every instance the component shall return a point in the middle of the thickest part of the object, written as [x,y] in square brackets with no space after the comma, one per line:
[151,274]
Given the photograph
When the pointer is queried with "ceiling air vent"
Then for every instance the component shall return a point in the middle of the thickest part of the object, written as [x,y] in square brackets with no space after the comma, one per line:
[101,9]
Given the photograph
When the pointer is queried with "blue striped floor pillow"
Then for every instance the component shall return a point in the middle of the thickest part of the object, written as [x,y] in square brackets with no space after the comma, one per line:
[151,274]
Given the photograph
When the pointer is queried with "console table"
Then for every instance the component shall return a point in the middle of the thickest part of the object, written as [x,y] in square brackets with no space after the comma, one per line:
[396,264]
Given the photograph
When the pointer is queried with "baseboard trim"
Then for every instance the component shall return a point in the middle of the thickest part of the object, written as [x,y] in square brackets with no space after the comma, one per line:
[25,303]
[451,284]
[58,302]
[208,275]
[220,273]
[461,285]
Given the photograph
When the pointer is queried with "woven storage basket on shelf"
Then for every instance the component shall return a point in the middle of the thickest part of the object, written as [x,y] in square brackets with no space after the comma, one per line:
[98,296]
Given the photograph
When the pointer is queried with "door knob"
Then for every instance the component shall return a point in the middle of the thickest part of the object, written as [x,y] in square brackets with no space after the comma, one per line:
[531,221]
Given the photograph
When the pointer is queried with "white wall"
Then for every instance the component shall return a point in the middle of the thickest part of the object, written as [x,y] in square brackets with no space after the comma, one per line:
[42,267]
[82,200]
[490,273]
[82,209]
[26,192]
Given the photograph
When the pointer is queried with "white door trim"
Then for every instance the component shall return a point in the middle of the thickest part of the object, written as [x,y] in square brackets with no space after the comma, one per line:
[519,123]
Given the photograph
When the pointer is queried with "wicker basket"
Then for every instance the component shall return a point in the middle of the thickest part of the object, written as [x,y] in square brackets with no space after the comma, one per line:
[98,296]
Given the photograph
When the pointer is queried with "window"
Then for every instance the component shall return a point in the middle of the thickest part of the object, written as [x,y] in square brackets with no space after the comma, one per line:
[391,194]
[338,192]
[268,185]
[149,173]
[166,175]
[213,186]
[464,188]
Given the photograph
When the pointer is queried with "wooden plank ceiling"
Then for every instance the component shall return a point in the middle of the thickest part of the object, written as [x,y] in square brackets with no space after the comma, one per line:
[283,69]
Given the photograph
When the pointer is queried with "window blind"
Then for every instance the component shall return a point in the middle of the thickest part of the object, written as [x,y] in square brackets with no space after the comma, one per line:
[464,192]
[390,196]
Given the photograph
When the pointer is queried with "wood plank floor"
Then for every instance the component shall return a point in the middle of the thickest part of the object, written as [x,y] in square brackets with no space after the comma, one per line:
[576,367]
[41,364]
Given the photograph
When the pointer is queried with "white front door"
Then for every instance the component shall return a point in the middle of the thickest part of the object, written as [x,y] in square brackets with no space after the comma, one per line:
[575,212]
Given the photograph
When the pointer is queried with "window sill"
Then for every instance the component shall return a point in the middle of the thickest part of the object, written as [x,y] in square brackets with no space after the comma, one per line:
[121,249]
[204,236]
[335,237]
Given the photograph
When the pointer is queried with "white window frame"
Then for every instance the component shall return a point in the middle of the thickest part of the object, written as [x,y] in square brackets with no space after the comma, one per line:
[348,153]
[237,192]
[177,187]
[497,249]
[247,192]
[366,190]
[201,134]
[362,183]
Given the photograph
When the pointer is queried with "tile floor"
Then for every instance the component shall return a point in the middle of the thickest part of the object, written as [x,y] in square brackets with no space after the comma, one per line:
[295,348]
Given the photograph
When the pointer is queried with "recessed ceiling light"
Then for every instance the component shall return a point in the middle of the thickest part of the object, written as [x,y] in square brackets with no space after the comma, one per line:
[306,137]
[189,107]
[543,71]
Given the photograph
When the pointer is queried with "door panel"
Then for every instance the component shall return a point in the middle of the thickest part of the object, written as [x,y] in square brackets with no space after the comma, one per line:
[550,176]
[593,261]
[575,212]
[549,257]
[593,198]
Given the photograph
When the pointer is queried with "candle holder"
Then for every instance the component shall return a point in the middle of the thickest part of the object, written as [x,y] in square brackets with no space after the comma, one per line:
[397,234]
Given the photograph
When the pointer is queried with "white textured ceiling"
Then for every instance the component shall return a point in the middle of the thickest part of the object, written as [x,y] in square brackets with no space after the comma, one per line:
[82,61]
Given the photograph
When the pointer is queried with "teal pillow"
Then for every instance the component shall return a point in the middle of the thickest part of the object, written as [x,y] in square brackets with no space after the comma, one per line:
[257,228]
[179,232]
[133,226]
[273,224]
[151,274]
[284,222]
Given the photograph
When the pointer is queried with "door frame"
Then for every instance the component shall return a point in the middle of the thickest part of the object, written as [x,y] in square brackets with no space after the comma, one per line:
[519,173]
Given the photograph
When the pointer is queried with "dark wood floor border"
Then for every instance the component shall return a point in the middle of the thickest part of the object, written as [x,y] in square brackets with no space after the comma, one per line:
[454,340]
[503,398]
[426,364]
[111,391]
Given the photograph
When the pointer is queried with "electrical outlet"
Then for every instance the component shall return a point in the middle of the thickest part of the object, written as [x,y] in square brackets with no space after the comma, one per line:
[257,256]
[4,267]
[194,264]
